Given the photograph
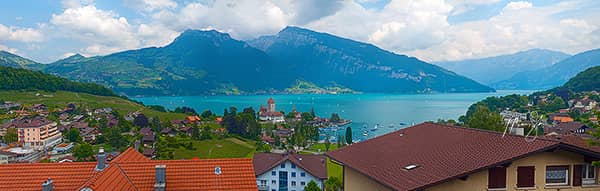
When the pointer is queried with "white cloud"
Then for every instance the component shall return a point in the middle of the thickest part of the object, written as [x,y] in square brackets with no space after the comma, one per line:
[8,49]
[102,31]
[20,34]
[151,5]
[75,3]
[516,5]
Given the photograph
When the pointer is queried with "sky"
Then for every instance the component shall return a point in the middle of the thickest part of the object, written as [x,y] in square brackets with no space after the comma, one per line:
[431,30]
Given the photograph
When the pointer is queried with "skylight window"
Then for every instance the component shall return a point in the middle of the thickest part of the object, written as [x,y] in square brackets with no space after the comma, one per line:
[410,167]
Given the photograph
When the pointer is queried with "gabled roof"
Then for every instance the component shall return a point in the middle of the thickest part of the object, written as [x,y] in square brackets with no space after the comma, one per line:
[129,172]
[129,155]
[112,177]
[316,165]
[441,153]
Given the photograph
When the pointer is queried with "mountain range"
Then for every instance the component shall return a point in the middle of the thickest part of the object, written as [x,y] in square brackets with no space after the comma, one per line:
[210,62]
[499,68]
[554,75]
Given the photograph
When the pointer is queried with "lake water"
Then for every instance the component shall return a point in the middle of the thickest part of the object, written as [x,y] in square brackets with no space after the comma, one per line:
[365,110]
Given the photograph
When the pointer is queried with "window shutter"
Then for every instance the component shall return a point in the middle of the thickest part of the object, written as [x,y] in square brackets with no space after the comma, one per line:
[525,176]
[577,173]
[497,177]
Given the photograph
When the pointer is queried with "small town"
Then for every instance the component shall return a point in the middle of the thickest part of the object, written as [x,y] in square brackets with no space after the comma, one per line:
[300,95]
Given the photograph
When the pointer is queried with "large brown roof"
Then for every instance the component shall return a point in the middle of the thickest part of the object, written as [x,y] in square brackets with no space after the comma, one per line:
[129,173]
[316,165]
[441,153]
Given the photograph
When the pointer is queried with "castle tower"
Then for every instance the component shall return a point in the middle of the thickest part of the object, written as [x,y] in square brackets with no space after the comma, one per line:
[271,105]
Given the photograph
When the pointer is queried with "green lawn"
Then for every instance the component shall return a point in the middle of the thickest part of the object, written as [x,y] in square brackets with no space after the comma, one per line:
[320,147]
[60,99]
[223,148]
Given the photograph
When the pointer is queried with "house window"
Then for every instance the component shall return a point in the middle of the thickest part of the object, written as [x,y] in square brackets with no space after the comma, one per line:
[525,176]
[273,173]
[557,175]
[497,177]
[293,183]
[302,183]
[293,165]
[588,175]
[293,174]
[283,165]
[263,182]
[302,174]
[273,182]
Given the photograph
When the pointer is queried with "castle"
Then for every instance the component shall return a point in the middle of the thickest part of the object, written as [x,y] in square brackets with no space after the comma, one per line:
[270,114]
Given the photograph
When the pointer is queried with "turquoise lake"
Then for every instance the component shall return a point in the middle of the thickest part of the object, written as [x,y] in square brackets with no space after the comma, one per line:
[390,111]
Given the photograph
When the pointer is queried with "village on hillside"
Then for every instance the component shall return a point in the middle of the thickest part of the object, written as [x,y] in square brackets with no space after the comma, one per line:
[37,133]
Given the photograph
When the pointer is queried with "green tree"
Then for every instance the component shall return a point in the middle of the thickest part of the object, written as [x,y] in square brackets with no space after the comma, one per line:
[333,184]
[348,135]
[207,114]
[114,137]
[312,186]
[335,118]
[11,135]
[73,135]
[483,118]
[327,144]
[84,152]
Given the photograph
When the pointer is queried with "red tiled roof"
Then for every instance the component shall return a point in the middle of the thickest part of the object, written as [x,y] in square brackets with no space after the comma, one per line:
[126,172]
[441,153]
[26,177]
[129,155]
[316,165]
[237,174]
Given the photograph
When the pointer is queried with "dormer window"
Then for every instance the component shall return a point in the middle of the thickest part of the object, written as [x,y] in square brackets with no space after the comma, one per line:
[411,167]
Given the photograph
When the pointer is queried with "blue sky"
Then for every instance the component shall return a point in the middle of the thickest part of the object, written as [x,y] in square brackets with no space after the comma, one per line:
[432,30]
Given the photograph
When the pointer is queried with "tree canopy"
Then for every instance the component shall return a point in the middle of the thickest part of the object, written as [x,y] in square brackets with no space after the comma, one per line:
[22,79]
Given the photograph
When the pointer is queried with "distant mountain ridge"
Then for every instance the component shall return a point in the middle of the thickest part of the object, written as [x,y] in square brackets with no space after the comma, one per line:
[323,58]
[211,62]
[498,68]
[552,76]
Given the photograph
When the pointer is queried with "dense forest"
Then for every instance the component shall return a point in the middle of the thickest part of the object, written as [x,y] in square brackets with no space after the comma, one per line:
[22,79]
[588,80]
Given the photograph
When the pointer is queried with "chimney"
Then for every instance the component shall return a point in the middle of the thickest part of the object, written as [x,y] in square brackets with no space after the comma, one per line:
[47,185]
[101,157]
[160,181]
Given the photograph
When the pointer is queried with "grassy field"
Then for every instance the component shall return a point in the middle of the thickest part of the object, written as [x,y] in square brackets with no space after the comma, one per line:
[223,148]
[60,99]
[320,147]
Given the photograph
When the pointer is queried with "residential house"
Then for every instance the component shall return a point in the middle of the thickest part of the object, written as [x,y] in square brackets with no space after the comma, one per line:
[38,133]
[270,114]
[567,128]
[7,157]
[434,157]
[192,119]
[130,171]
[289,171]
[148,136]
[560,118]
[186,130]
[168,131]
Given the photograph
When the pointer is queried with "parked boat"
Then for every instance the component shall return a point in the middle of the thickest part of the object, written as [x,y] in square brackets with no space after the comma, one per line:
[375,128]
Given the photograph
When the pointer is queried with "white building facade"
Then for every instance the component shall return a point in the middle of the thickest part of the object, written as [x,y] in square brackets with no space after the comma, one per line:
[286,176]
